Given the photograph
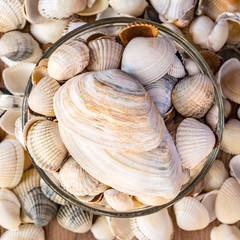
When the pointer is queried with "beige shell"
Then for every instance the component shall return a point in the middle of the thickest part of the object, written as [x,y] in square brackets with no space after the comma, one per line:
[11,16]
[148,59]
[109,12]
[223,232]
[154,201]
[230,140]
[177,69]
[11,161]
[27,161]
[154,226]
[215,176]
[18,131]
[227,206]
[26,231]
[10,210]
[191,67]
[38,73]
[234,166]
[212,116]
[194,142]
[193,96]
[74,218]
[68,60]
[94,8]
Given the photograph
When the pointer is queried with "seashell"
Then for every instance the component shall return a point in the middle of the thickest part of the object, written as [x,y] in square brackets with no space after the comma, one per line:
[224,231]
[173,28]
[190,214]
[58,9]
[227,206]
[48,32]
[73,24]
[74,218]
[212,116]
[16,77]
[154,226]
[194,142]
[18,131]
[26,231]
[154,201]
[38,207]
[151,14]
[43,62]
[10,210]
[185,176]
[11,161]
[193,96]
[213,60]
[75,179]
[50,194]
[234,166]
[38,73]
[108,13]
[11,16]
[191,67]
[169,115]
[158,55]
[230,141]
[215,176]
[27,161]
[97,7]
[161,92]
[119,124]
[119,201]
[44,143]
[101,230]
[104,54]
[238,112]
[68,60]
[41,97]
[133,8]
[177,69]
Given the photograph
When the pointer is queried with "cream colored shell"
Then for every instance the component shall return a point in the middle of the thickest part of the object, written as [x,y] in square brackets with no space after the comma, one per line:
[223,232]
[212,116]
[234,166]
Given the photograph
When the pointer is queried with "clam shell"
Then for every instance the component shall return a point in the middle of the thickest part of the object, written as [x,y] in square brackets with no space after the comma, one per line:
[234,166]
[191,67]
[154,226]
[194,142]
[213,60]
[94,8]
[148,59]
[11,161]
[215,176]
[38,207]
[224,231]
[11,16]
[227,206]
[212,116]
[68,60]
[177,69]
[38,73]
[190,214]
[74,218]
[193,96]
[154,201]
[10,210]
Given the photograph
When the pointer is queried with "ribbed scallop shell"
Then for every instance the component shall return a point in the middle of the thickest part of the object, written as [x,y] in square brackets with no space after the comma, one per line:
[74,218]
[148,59]
[68,60]
[212,116]
[223,232]
[234,166]
[177,69]
[11,161]
[194,142]
[114,111]
[104,54]
[227,206]
[11,15]
[94,7]
[190,214]
[155,226]
[193,96]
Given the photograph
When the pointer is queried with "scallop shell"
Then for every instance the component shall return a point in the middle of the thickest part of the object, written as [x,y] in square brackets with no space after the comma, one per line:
[177,69]
[215,176]
[190,214]
[10,210]
[212,116]
[44,143]
[74,218]
[94,8]
[26,231]
[148,59]
[38,73]
[223,232]
[154,201]
[11,161]
[104,54]
[193,96]
[191,67]
[227,206]
[234,166]
[194,142]
[68,60]
[154,226]
[213,60]
[11,16]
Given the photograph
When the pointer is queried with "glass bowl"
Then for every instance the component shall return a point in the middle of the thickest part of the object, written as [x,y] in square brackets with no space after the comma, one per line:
[112,26]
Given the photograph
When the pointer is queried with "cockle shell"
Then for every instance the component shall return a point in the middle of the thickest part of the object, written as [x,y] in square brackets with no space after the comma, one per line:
[11,161]
[25,232]
[74,218]
[223,232]
[234,166]
[11,16]
[110,94]
[193,96]
[10,210]
[191,67]
[215,176]
[190,214]
[148,59]
[68,60]
[227,108]
[227,206]
[177,69]
[155,226]
[212,116]
[155,201]
[94,8]
[194,142]
[44,143]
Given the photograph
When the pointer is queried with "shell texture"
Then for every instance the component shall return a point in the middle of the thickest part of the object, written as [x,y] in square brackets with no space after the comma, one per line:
[154,201]
[177,69]
[97,7]
[213,60]
[224,231]
[173,28]
[212,116]
[38,73]
[109,12]
[73,24]
[234,166]
[191,67]
[18,131]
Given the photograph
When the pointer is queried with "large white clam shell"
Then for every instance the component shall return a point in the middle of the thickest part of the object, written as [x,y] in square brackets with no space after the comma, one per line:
[234,166]
[223,232]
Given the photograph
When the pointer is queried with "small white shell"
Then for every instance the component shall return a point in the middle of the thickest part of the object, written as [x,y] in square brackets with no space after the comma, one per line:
[191,67]
[8,119]
[223,232]
[234,166]
[212,116]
